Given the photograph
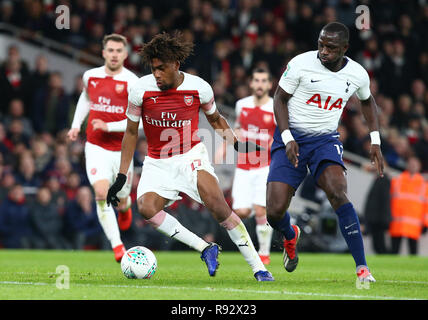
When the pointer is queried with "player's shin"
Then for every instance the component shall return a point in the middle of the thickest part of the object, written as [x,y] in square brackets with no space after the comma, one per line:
[350,228]
[239,235]
[283,225]
[108,222]
[168,225]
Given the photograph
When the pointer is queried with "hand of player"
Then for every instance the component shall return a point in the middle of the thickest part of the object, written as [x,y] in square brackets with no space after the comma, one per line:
[292,151]
[73,133]
[247,146]
[112,197]
[376,158]
[98,124]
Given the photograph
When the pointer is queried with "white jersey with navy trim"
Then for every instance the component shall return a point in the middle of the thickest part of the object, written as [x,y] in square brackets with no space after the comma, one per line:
[318,94]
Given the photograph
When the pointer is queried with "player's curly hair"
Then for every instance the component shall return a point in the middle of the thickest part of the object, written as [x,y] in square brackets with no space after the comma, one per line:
[167,48]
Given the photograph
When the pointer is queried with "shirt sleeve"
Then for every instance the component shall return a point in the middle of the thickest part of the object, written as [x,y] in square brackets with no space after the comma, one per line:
[83,105]
[131,82]
[290,79]
[117,126]
[135,103]
[206,97]
[363,92]
[238,108]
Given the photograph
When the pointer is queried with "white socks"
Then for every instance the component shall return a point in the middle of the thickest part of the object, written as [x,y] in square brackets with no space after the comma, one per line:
[239,235]
[264,235]
[171,227]
[108,221]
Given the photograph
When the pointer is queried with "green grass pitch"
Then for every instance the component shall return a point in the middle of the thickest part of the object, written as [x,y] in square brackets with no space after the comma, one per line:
[28,275]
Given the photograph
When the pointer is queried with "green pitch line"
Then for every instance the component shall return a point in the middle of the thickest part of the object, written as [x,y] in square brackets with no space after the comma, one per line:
[183,276]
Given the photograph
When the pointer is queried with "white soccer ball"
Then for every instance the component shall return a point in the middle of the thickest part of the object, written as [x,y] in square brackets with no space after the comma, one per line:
[138,263]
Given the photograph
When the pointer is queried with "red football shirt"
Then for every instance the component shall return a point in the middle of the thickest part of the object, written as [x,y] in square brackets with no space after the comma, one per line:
[257,124]
[108,100]
[170,117]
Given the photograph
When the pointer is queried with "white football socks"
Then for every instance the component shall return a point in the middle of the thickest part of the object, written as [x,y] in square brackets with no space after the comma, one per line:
[108,221]
[239,235]
[264,235]
[170,226]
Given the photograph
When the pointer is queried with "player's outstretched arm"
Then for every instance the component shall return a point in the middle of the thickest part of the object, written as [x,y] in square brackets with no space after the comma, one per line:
[221,127]
[115,126]
[129,144]
[369,109]
[280,108]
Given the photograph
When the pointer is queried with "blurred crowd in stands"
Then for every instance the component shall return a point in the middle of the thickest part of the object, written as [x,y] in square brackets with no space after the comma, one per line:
[39,166]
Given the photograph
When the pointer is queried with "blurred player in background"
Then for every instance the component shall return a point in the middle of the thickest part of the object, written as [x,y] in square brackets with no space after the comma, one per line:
[255,121]
[168,101]
[308,103]
[105,99]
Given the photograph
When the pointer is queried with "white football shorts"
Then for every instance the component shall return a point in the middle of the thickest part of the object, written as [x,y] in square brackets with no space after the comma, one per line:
[102,164]
[168,177]
[249,188]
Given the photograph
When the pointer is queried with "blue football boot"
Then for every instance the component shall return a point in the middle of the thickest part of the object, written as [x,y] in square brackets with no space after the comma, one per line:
[263,276]
[210,255]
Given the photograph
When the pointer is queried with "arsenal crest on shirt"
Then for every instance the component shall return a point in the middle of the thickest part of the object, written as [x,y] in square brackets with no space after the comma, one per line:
[119,88]
[188,100]
[267,118]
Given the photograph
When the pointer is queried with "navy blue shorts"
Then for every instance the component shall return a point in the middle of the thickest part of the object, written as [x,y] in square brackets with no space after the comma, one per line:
[315,153]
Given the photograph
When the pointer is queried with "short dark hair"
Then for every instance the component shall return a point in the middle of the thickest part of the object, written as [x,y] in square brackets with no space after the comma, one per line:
[340,28]
[167,48]
[261,70]
[116,38]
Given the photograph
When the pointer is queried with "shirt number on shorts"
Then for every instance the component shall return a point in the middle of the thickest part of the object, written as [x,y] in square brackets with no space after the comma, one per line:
[339,148]
[196,164]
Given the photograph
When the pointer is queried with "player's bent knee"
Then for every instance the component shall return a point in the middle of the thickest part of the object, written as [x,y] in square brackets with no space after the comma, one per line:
[337,198]
[147,209]
[275,209]
[100,190]
[100,195]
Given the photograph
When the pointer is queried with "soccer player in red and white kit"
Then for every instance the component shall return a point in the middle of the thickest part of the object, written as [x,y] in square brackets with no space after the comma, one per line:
[168,101]
[255,121]
[105,99]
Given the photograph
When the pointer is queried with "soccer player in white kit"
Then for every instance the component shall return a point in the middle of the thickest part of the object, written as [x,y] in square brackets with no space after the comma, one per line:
[105,99]
[308,103]
[255,121]
[168,101]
